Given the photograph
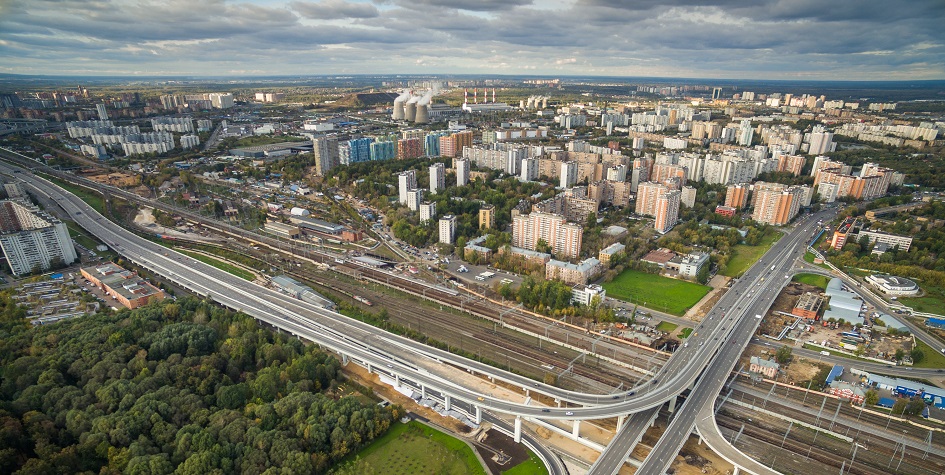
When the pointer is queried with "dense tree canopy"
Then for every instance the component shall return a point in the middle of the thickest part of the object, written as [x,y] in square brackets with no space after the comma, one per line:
[176,387]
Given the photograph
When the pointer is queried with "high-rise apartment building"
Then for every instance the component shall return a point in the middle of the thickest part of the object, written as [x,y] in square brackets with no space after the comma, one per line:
[745,133]
[736,196]
[383,150]
[32,240]
[427,211]
[452,145]
[791,163]
[415,198]
[568,175]
[222,100]
[529,169]
[431,143]
[821,141]
[775,203]
[687,196]
[562,237]
[447,229]
[462,172]
[102,113]
[355,151]
[661,202]
[666,214]
[487,217]
[406,181]
[325,152]
[409,148]
[647,192]
[437,177]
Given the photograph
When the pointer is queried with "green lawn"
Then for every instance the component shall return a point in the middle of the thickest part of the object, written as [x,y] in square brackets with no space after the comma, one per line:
[809,257]
[94,200]
[743,256]
[685,332]
[654,291]
[224,266]
[933,356]
[816,280]
[532,466]
[666,327]
[932,302]
[412,448]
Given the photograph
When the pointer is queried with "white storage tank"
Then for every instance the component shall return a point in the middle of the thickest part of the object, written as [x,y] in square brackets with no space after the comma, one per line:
[299,211]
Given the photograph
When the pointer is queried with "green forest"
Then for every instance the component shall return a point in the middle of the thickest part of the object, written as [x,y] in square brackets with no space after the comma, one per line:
[176,387]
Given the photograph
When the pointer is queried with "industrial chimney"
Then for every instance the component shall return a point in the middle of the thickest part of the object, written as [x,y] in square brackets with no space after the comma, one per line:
[410,111]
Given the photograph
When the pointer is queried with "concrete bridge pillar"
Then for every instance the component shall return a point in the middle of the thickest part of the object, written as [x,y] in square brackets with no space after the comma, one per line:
[397,380]
[672,404]
[576,430]
[344,359]
[621,420]
[478,415]
[736,470]
[423,391]
[447,402]
[370,369]
[517,437]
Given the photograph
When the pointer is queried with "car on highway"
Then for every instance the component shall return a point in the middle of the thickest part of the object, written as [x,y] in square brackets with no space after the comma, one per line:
[631,393]
[546,410]
[569,413]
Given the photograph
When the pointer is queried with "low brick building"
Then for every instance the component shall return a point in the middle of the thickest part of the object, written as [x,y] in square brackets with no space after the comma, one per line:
[125,286]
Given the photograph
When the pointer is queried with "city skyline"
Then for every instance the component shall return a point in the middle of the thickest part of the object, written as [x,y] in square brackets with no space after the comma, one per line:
[779,39]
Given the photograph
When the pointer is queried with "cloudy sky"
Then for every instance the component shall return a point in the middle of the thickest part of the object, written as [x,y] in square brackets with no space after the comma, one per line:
[752,39]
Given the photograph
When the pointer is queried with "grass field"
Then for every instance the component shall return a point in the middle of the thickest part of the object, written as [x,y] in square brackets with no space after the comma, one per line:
[654,291]
[812,279]
[932,302]
[933,356]
[412,448]
[809,257]
[94,200]
[743,256]
[226,267]
[685,332]
[667,327]
[532,466]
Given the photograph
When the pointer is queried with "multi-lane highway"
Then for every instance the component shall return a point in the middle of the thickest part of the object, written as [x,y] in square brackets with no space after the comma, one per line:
[727,328]
[367,344]
[769,275]
[719,339]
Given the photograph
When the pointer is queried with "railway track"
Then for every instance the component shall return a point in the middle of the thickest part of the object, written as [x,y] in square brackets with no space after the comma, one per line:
[445,327]
[826,452]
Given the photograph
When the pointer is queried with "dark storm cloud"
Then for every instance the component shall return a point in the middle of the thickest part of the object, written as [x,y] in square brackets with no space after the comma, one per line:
[721,38]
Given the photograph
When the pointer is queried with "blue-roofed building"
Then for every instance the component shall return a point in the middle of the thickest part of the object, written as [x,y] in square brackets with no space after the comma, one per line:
[835,373]
[886,402]
[935,323]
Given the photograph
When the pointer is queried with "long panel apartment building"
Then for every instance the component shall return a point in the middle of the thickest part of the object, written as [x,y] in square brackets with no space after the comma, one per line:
[563,237]
[33,240]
